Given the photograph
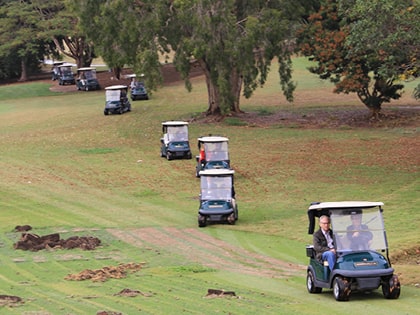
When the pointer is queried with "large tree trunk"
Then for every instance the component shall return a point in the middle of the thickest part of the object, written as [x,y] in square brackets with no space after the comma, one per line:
[212,91]
[236,86]
[23,73]
[214,97]
[370,100]
[78,49]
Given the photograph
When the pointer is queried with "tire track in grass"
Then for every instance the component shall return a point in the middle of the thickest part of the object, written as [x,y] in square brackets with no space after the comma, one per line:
[198,247]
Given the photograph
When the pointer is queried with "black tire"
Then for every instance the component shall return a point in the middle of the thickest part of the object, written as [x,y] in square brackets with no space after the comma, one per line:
[106,112]
[310,283]
[202,221]
[231,219]
[168,156]
[391,287]
[341,289]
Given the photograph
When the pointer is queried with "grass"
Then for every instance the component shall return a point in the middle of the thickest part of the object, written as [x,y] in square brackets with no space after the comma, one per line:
[67,168]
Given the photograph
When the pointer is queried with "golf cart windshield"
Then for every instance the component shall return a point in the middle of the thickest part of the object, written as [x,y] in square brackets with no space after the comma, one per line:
[358,229]
[67,72]
[89,74]
[216,187]
[216,151]
[113,95]
[177,133]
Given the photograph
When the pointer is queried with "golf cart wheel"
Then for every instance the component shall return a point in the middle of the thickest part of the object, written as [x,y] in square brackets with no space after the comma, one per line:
[391,288]
[341,289]
[168,156]
[106,112]
[202,221]
[310,283]
[231,219]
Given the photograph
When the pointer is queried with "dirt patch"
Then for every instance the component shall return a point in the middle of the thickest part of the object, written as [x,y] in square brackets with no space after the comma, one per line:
[200,248]
[10,300]
[399,116]
[410,256]
[105,273]
[132,293]
[34,242]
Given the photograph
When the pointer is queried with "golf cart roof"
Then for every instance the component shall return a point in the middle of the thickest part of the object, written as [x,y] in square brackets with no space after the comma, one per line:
[133,75]
[86,69]
[174,123]
[317,209]
[65,65]
[116,87]
[217,172]
[344,204]
[213,139]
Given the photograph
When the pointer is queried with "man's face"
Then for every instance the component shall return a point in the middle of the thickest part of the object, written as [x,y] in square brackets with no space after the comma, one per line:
[356,220]
[324,223]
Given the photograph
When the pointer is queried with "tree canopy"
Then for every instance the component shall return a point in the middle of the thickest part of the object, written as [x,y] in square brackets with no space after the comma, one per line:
[363,47]
[232,41]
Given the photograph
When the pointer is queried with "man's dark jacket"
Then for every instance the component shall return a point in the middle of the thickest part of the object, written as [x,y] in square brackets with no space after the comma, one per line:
[320,243]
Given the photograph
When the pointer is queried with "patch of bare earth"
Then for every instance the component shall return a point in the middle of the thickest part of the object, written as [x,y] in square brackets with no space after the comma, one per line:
[200,248]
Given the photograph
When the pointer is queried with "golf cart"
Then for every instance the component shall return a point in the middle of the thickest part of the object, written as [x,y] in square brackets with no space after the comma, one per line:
[116,100]
[217,197]
[55,73]
[175,144]
[65,75]
[213,154]
[137,89]
[362,261]
[86,79]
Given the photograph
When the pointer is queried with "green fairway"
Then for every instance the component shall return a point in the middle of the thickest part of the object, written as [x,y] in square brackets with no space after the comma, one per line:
[66,168]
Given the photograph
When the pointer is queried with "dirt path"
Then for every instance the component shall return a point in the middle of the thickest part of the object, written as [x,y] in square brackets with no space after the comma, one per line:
[200,248]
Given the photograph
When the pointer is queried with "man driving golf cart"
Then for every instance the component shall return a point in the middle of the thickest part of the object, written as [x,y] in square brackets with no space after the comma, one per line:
[86,79]
[362,268]
[217,197]
[174,143]
[214,154]
[55,71]
[137,88]
[116,100]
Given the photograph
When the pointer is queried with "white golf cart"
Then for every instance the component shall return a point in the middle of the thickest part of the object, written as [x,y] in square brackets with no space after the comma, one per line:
[175,143]
[217,197]
[65,74]
[362,261]
[213,154]
[116,100]
[138,89]
[86,79]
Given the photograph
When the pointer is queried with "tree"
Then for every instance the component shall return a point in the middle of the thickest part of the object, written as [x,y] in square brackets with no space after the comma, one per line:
[232,41]
[396,34]
[19,36]
[354,52]
[60,24]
